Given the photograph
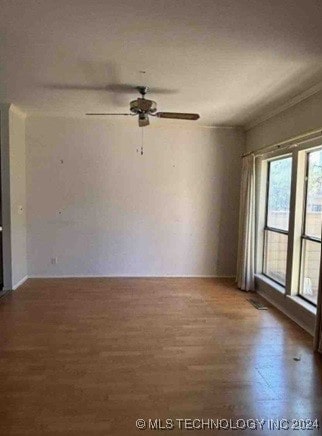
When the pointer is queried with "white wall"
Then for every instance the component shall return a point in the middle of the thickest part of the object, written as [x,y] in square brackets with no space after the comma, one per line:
[100,208]
[301,118]
[17,154]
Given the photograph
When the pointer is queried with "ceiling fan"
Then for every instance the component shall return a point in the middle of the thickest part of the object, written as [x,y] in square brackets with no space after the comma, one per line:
[145,108]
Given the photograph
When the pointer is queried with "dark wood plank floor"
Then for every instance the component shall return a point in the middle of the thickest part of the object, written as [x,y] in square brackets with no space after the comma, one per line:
[90,356]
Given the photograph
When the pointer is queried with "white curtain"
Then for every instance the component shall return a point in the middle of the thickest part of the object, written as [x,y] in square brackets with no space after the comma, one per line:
[246,240]
[318,325]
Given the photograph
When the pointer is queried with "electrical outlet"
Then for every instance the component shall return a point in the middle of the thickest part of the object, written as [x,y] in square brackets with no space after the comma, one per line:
[54,260]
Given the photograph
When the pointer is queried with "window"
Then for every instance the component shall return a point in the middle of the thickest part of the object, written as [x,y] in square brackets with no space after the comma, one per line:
[289,221]
[277,218]
[311,233]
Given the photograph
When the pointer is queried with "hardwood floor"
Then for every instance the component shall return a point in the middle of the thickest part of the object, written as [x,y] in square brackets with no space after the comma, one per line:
[91,356]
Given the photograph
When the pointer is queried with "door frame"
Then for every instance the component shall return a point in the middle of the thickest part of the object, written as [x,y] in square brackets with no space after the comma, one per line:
[5,197]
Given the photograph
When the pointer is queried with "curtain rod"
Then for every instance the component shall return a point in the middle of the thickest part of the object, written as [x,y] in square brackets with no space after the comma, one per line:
[300,138]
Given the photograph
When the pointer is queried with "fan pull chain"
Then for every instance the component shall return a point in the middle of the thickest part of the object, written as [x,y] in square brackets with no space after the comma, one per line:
[142,128]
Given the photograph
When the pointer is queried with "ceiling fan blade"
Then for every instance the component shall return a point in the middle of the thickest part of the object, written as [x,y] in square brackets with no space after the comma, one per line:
[143,120]
[178,115]
[120,88]
[66,87]
[110,114]
[125,88]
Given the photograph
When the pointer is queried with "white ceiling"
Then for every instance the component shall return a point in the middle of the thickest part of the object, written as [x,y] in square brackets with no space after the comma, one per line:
[229,60]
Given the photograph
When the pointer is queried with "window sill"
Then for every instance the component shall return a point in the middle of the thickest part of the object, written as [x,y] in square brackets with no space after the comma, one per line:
[293,306]
[271,283]
[307,306]
[294,298]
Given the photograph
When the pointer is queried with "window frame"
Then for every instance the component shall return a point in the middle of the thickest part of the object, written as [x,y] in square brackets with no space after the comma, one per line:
[268,228]
[298,152]
[306,186]
[304,237]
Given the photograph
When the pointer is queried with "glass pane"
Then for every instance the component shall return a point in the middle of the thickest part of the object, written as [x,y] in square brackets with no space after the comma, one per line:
[275,256]
[279,193]
[314,195]
[311,252]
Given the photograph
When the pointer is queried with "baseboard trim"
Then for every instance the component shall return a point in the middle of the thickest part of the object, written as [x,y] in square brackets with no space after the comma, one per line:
[80,276]
[4,292]
[21,282]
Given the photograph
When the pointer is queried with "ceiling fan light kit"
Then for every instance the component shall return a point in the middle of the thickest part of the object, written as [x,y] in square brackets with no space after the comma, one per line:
[144,107]
[143,120]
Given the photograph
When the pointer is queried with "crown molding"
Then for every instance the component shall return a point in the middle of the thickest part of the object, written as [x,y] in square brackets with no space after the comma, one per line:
[287,105]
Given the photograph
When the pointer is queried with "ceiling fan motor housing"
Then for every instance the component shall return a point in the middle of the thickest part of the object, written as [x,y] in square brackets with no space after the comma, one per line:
[142,105]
